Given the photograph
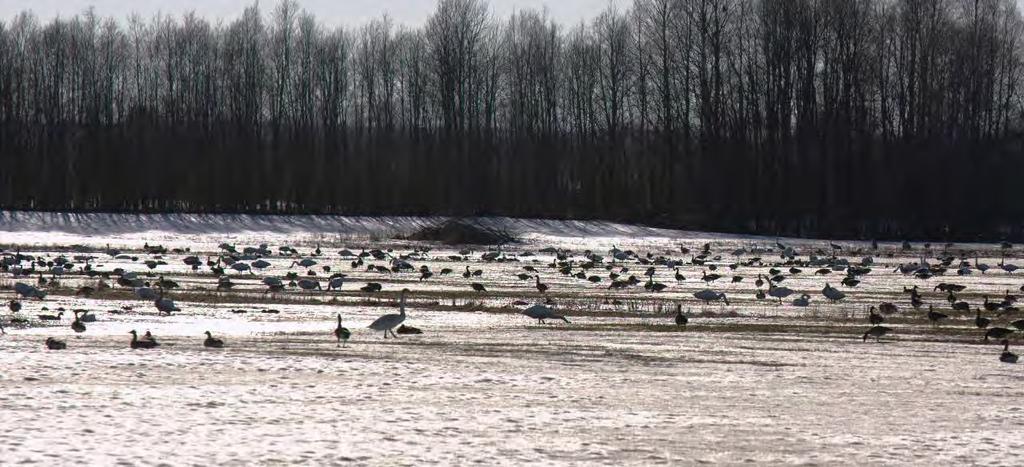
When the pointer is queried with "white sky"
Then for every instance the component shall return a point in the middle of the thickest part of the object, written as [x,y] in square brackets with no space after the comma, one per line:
[332,12]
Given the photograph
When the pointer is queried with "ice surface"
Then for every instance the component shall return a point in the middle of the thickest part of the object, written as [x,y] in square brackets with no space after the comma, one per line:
[748,383]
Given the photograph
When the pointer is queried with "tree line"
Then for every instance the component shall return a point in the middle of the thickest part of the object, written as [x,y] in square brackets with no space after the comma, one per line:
[856,118]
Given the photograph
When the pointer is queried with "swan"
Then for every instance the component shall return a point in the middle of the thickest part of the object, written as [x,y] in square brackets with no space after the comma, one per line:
[779,292]
[541,313]
[165,305]
[388,322]
[28,291]
[708,295]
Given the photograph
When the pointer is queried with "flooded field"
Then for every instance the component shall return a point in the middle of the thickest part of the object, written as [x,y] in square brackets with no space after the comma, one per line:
[746,379]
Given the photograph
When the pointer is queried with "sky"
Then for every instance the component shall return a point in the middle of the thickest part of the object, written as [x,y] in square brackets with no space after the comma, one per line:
[332,12]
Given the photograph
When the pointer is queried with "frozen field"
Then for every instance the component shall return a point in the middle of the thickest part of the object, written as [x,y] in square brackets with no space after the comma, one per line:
[747,382]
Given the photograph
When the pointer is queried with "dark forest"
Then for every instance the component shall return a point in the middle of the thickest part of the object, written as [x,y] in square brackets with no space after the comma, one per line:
[852,118]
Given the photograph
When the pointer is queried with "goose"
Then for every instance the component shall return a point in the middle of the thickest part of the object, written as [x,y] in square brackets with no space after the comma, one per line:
[877,332]
[541,287]
[212,342]
[371,287]
[708,295]
[654,286]
[1009,268]
[802,301]
[260,264]
[887,308]
[991,306]
[997,333]
[53,343]
[679,277]
[541,313]
[1007,356]
[833,294]
[14,306]
[934,316]
[681,319]
[388,322]
[403,329]
[709,278]
[51,317]
[478,287]
[77,324]
[759,282]
[1019,324]
[136,343]
[980,321]
[341,332]
[875,318]
[467,274]
[981,267]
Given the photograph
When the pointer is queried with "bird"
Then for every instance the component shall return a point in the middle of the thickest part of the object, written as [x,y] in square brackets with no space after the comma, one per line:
[802,301]
[165,305]
[387,323]
[834,295]
[980,321]
[778,292]
[887,308]
[143,343]
[541,287]
[681,319]
[53,343]
[875,318]
[541,313]
[51,317]
[1019,324]
[478,287]
[708,295]
[997,333]
[934,316]
[14,306]
[341,332]
[1007,356]
[403,329]
[991,306]
[212,342]
[877,332]
[77,324]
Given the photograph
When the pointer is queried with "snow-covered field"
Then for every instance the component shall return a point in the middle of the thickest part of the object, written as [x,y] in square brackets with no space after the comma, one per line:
[748,382]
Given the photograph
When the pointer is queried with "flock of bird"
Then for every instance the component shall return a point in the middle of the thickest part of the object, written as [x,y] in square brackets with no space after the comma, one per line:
[618,268]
